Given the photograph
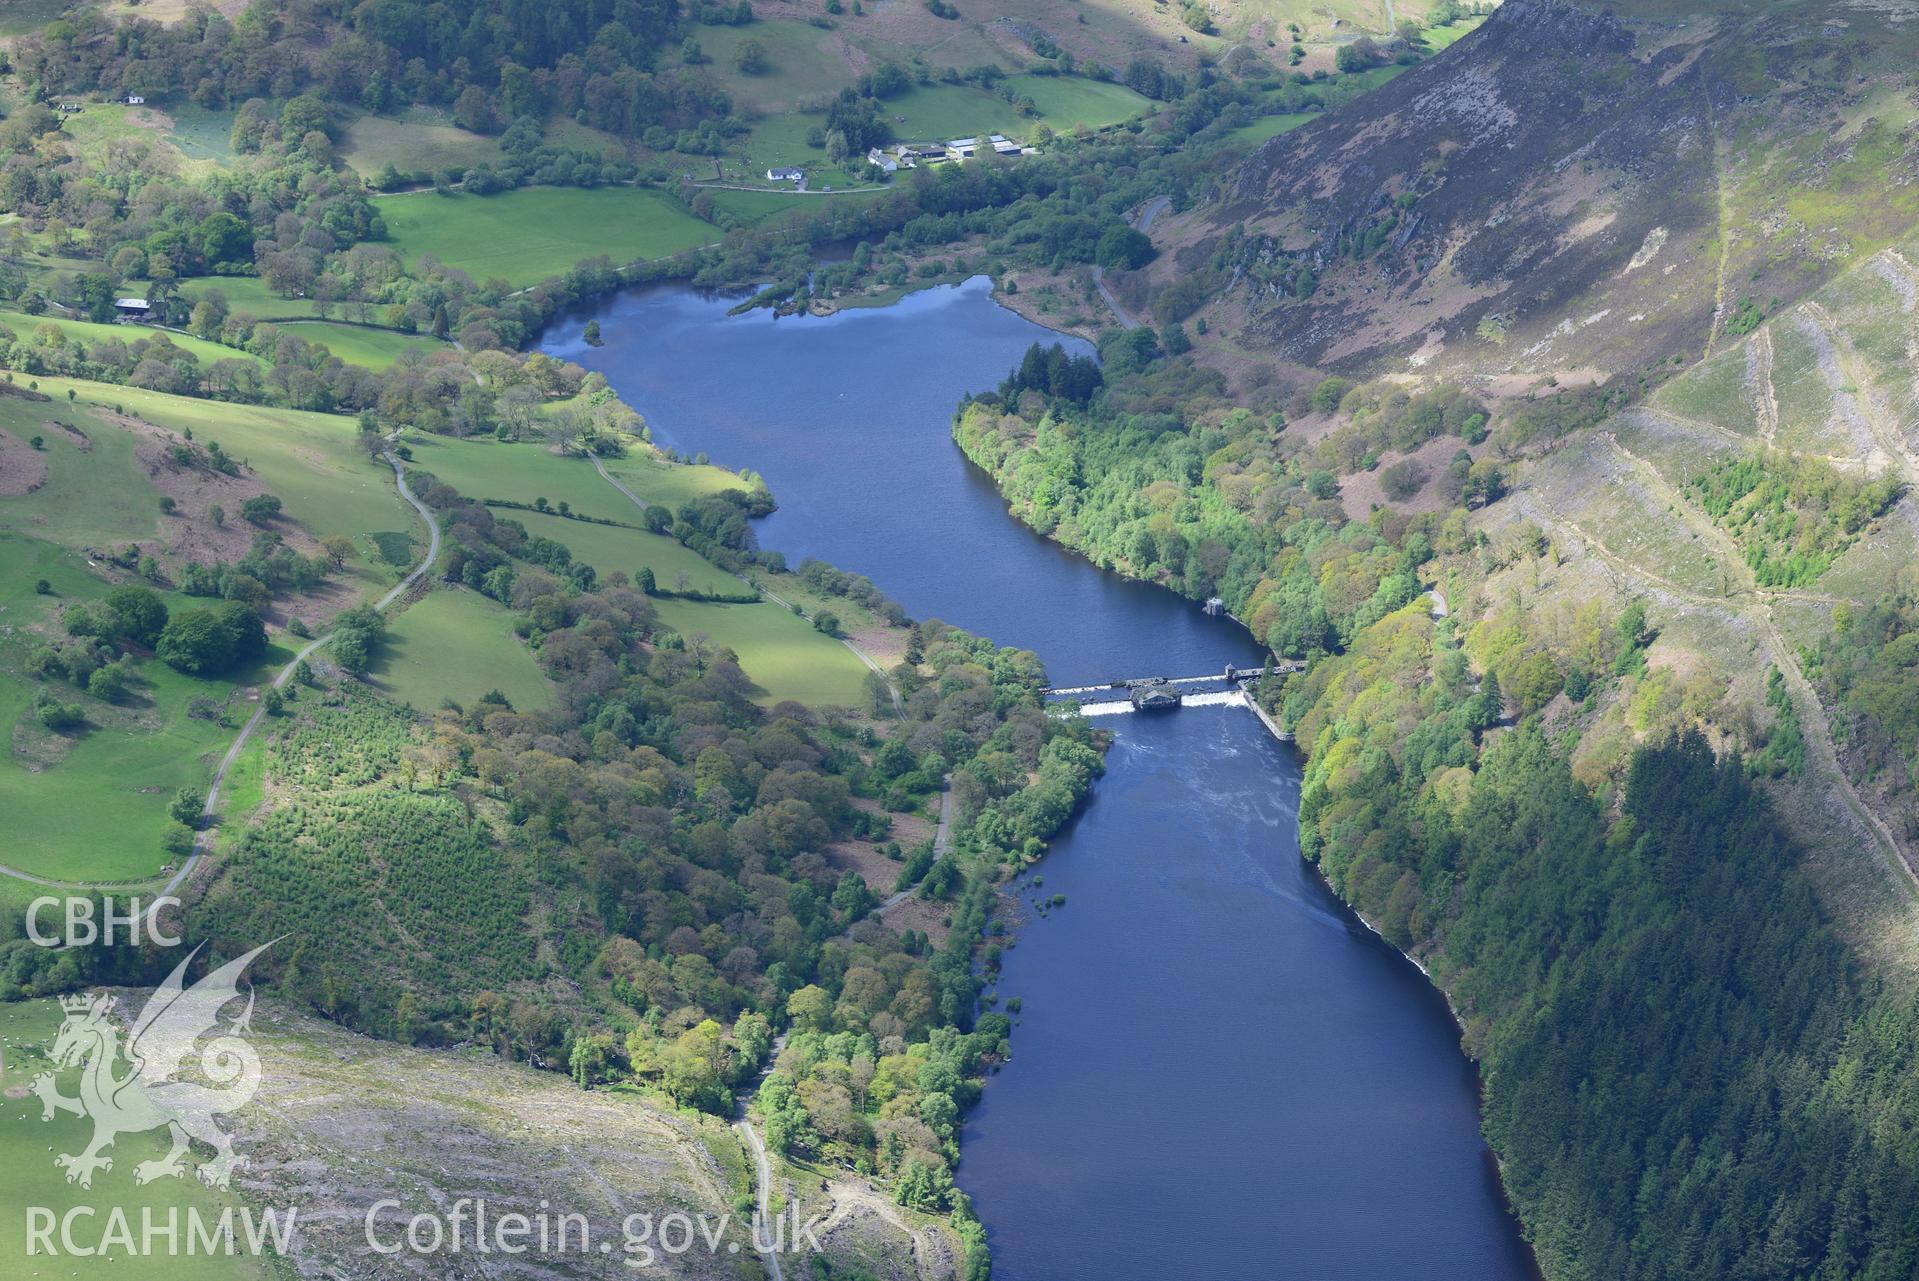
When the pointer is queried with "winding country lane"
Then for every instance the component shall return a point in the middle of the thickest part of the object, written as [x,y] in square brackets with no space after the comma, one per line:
[1152,209]
[203,841]
[942,838]
[765,1178]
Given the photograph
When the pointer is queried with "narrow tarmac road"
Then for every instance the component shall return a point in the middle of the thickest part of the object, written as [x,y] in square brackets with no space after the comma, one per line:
[770,1239]
[1151,210]
[942,838]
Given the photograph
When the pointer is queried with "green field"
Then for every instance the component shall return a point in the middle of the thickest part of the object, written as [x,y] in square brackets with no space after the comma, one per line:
[87,331]
[249,294]
[201,134]
[528,235]
[110,136]
[312,461]
[481,468]
[18,17]
[29,1177]
[754,207]
[95,492]
[414,146]
[196,139]
[520,473]
[940,112]
[610,547]
[91,804]
[780,651]
[1067,101]
[800,60]
[1270,127]
[363,344]
[457,645]
[780,140]
[658,481]
[1437,38]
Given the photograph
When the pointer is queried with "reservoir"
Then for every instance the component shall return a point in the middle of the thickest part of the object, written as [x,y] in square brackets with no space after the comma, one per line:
[1218,1071]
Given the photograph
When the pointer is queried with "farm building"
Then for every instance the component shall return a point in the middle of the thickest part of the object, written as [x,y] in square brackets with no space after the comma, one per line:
[132,308]
[962,148]
[913,154]
[1004,145]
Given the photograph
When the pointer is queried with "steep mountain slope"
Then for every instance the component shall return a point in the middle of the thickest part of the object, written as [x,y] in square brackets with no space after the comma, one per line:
[1570,189]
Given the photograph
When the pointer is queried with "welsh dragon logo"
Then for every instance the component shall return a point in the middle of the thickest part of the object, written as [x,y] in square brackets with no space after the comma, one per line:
[164,1039]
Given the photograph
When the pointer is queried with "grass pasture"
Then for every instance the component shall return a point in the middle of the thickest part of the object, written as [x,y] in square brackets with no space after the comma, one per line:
[780,140]
[941,111]
[530,234]
[312,461]
[523,472]
[95,492]
[90,804]
[482,468]
[1439,38]
[87,331]
[658,481]
[19,17]
[611,547]
[363,345]
[1270,127]
[782,653]
[29,1177]
[112,136]
[800,59]
[414,146]
[201,134]
[457,645]
[778,650]
[756,207]
[249,294]
[1067,101]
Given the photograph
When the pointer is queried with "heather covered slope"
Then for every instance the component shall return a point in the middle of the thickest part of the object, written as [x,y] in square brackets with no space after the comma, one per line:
[1566,190]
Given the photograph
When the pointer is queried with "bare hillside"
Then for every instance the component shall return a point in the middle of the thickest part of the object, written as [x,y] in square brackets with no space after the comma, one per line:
[1569,189]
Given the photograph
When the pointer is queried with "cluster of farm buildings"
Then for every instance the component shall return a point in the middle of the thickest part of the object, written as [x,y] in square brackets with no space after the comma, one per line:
[71,107]
[911,155]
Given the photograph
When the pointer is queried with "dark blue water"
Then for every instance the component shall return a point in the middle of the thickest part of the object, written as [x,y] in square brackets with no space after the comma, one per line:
[1219,1072]
[847,417]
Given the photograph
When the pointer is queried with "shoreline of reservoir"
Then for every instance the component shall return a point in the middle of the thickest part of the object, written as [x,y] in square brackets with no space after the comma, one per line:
[1189,841]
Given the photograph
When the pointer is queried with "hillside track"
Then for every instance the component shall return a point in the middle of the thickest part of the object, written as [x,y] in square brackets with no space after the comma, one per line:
[208,834]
